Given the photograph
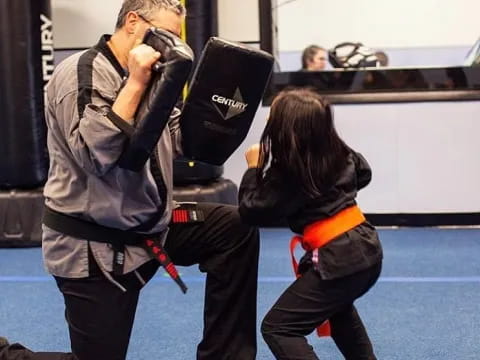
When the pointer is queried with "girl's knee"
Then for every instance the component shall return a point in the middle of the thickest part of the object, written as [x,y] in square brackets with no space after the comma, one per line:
[268,327]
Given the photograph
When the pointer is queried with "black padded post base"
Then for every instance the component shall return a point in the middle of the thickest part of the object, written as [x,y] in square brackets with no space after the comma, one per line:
[21,218]
[221,191]
[187,171]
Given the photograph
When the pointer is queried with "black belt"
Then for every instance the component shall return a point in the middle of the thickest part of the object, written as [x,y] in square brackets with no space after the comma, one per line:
[87,230]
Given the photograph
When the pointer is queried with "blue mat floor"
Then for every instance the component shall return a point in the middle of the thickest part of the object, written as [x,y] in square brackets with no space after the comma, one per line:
[425,306]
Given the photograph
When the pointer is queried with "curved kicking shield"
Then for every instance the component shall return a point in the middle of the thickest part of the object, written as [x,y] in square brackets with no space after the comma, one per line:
[224,95]
[168,80]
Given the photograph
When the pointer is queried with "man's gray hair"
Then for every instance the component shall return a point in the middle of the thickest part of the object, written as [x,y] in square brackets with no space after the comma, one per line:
[145,8]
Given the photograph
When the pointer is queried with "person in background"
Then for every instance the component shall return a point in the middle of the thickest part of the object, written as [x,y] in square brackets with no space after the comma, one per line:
[314,58]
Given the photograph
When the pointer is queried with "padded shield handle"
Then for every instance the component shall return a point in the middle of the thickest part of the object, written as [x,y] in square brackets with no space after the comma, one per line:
[169,78]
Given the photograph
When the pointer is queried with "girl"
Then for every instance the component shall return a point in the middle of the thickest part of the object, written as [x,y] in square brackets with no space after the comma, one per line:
[304,172]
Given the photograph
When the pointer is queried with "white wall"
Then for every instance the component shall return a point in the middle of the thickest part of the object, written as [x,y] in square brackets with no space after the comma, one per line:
[408,23]
[79,23]
[238,20]
[424,156]
[378,23]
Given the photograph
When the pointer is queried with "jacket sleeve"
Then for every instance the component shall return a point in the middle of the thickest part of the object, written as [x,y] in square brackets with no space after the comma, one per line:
[94,133]
[266,204]
[363,170]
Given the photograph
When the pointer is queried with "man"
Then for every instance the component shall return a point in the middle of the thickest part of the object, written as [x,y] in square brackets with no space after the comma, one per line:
[314,58]
[90,99]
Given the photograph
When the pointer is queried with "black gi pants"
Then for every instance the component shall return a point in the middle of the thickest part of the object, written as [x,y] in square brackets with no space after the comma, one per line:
[100,316]
[307,303]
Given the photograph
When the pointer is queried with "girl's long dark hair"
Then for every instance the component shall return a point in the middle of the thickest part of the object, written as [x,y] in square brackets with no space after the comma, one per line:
[300,141]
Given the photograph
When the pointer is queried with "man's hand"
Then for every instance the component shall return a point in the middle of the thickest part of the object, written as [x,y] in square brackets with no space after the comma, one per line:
[253,155]
[140,61]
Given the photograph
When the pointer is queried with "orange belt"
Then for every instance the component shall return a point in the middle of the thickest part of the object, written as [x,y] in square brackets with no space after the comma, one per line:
[319,234]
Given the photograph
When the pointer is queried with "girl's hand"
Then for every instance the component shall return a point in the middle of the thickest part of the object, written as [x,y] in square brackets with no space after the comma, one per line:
[252,155]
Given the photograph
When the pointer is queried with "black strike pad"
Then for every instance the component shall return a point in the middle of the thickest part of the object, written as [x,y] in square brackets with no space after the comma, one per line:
[224,95]
[168,80]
